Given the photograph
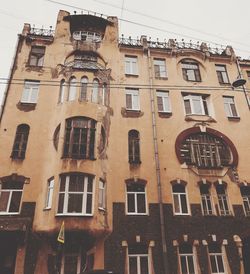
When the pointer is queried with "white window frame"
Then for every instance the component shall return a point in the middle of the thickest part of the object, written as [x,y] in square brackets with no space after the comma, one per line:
[164,95]
[229,105]
[198,98]
[72,89]
[161,67]
[131,65]
[84,200]
[186,255]
[138,262]
[206,198]
[61,91]
[223,202]
[11,191]
[49,194]
[222,70]
[102,195]
[178,195]
[136,194]
[135,99]
[30,92]
[216,255]
[246,203]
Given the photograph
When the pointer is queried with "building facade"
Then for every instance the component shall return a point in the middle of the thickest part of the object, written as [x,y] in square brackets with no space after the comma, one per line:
[137,151]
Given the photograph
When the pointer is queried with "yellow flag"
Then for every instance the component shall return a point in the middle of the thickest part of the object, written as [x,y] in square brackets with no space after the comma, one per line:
[61,236]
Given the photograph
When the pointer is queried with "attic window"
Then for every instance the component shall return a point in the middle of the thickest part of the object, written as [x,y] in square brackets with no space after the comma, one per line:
[88,36]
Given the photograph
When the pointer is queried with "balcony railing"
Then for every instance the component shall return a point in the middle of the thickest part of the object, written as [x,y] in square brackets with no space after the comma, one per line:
[42,32]
[172,44]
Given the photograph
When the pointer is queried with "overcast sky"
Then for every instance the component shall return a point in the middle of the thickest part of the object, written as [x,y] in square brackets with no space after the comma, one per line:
[222,22]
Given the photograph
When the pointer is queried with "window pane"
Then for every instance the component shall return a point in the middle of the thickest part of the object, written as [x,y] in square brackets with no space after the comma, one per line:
[15,201]
[187,106]
[133,265]
[70,264]
[60,203]
[141,203]
[184,266]
[191,264]
[131,203]
[184,203]
[213,264]
[144,265]
[89,204]
[4,199]
[176,203]
[220,263]
[75,203]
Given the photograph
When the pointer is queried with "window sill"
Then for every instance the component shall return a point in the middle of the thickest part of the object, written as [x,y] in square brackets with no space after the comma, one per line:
[26,106]
[164,114]
[182,215]
[225,84]
[135,163]
[137,214]
[73,215]
[233,118]
[131,113]
[131,75]
[17,158]
[199,118]
[161,78]
[67,157]
[193,81]
[9,213]
[102,209]
[47,208]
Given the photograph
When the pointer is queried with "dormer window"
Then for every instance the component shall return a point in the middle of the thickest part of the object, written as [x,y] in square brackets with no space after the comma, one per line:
[88,36]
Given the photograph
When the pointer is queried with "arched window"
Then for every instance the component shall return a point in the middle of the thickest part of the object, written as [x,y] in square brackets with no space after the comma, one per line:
[216,258]
[84,89]
[205,150]
[187,259]
[190,70]
[72,89]
[181,206]
[61,91]
[95,91]
[134,147]
[79,141]
[20,142]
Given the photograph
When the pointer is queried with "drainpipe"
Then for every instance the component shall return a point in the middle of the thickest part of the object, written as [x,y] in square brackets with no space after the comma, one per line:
[156,156]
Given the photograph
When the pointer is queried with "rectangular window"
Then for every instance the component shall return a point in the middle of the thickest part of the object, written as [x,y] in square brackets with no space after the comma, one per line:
[75,195]
[132,99]
[160,68]
[245,194]
[37,56]
[187,259]
[196,104]
[230,107]
[102,195]
[30,92]
[223,201]
[49,196]
[138,264]
[216,259]
[222,74]
[10,197]
[180,200]
[131,66]
[206,200]
[136,199]
[163,101]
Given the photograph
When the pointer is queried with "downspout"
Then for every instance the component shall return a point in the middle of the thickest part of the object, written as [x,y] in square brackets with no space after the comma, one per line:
[9,80]
[156,156]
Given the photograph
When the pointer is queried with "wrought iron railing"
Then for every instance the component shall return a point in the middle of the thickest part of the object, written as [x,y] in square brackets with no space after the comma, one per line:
[42,32]
[172,43]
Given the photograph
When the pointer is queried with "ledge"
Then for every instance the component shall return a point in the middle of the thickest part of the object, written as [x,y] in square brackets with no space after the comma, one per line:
[235,119]
[26,106]
[165,114]
[199,118]
[131,113]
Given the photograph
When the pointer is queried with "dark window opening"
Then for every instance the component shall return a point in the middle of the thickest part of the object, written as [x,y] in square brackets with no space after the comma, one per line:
[136,199]
[206,200]
[205,151]
[245,194]
[134,147]
[20,142]
[191,71]
[79,141]
[37,56]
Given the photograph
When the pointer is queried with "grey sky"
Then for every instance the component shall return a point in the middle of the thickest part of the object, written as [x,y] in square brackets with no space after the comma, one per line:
[228,19]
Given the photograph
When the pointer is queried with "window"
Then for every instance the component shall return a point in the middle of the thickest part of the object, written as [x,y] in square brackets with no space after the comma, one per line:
[190,70]
[230,107]
[132,99]
[30,92]
[187,259]
[163,101]
[138,260]
[248,74]
[104,94]
[87,36]
[222,74]
[10,197]
[216,259]
[131,66]
[196,104]
[79,142]
[75,261]
[95,91]
[102,195]
[206,200]
[245,194]
[49,196]
[20,142]
[134,147]
[180,200]
[72,89]
[160,68]
[37,56]
[61,91]
[223,200]
[205,150]
[75,194]
[84,89]
[136,199]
